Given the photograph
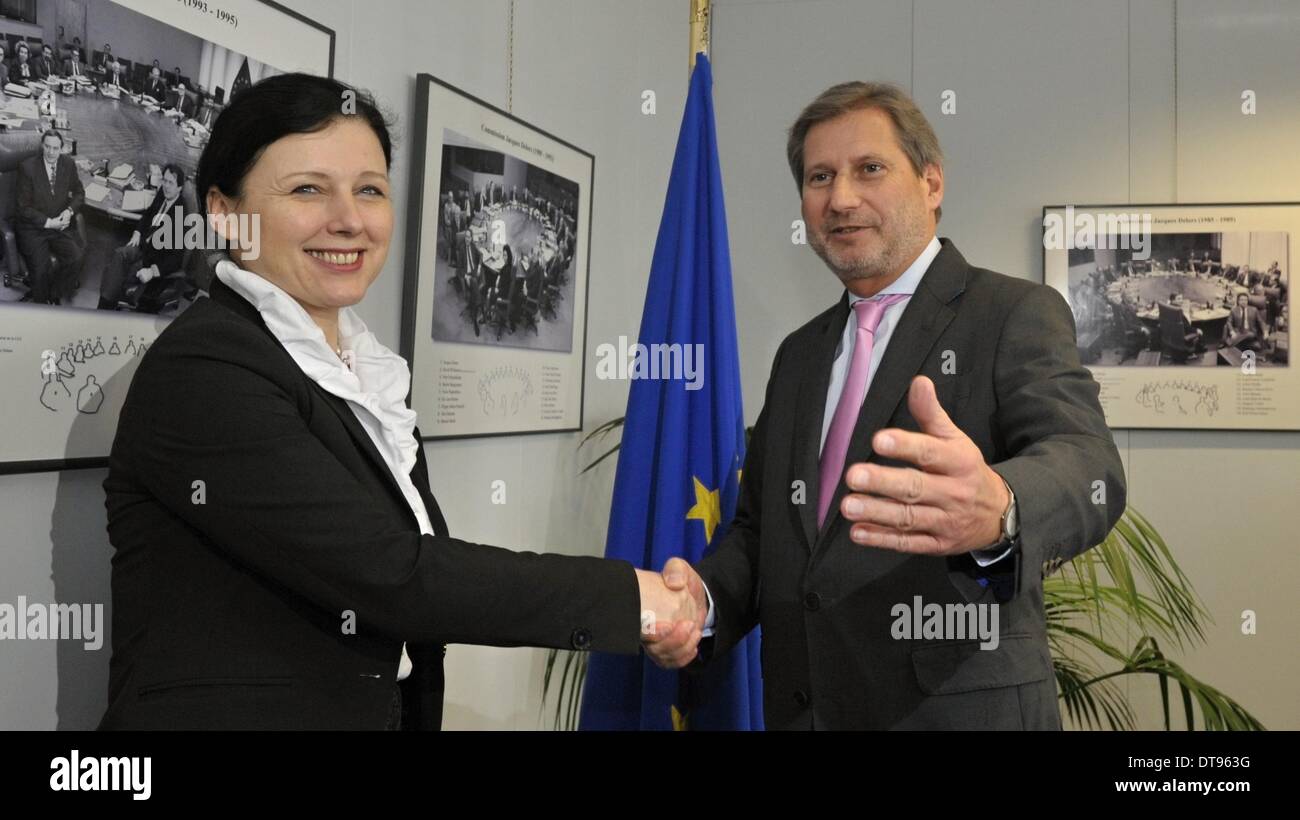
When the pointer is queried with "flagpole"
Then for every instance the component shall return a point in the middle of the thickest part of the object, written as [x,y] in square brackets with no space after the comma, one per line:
[700,30]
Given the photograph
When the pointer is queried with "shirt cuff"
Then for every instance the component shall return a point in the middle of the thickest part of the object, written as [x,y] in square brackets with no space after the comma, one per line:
[710,620]
[985,558]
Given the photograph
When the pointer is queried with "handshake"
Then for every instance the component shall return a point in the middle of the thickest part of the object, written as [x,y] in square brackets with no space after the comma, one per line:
[674,607]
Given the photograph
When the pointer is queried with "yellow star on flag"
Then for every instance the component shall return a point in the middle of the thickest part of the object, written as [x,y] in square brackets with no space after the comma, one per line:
[708,508]
[680,721]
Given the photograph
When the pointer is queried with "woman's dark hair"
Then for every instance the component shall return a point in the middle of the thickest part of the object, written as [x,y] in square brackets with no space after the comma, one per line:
[273,108]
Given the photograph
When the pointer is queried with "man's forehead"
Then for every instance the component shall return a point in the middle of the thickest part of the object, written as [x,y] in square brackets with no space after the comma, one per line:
[866,132]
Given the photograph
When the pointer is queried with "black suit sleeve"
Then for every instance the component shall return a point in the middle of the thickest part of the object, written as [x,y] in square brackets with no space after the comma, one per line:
[1064,463]
[731,571]
[277,501]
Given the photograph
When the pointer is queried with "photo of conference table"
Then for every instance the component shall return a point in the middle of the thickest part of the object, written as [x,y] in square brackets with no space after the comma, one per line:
[122,131]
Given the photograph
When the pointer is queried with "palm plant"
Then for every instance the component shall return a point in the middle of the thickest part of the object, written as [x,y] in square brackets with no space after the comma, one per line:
[1130,583]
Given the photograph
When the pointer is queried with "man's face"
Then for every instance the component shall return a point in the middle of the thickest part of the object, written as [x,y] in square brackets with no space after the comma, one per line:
[1241,300]
[868,213]
[171,188]
[50,148]
[47,53]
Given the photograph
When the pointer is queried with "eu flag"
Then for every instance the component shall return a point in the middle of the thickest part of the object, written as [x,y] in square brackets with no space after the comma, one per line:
[683,444]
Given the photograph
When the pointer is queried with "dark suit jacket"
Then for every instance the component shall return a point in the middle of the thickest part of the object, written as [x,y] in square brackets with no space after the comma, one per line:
[1254,323]
[77,69]
[231,610]
[156,89]
[825,604]
[184,104]
[42,66]
[168,259]
[36,202]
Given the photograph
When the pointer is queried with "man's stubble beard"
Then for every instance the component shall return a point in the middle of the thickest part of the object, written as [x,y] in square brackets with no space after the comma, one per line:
[891,256]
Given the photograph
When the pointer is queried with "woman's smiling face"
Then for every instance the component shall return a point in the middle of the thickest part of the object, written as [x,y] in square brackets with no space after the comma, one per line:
[322,201]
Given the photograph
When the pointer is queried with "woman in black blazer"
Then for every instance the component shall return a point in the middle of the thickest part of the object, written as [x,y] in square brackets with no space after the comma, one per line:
[280,561]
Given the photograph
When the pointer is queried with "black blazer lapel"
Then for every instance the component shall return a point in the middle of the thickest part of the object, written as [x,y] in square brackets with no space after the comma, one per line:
[223,294]
[924,320]
[810,410]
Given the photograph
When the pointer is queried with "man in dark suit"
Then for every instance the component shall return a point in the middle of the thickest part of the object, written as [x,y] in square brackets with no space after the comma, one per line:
[1245,327]
[154,86]
[181,102]
[929,443]
[106,59]
[73,66]
[113,73]
[45,64]
[152,251]
[49,197]
[471,280]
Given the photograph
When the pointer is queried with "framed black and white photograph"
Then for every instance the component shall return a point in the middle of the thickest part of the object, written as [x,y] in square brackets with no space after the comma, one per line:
[1182,311]
[495,298]
[105,108]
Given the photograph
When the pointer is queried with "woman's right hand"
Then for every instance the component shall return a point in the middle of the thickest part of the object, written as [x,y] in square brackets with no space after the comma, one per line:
[671,618]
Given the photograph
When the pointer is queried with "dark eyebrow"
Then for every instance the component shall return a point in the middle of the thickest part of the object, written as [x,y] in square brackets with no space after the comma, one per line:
[859,160]
[323,175]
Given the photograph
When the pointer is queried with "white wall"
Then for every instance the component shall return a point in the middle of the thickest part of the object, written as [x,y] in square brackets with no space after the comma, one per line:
[1057,102]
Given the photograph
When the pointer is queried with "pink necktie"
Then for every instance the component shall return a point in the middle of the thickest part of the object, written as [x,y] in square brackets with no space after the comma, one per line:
[869,312]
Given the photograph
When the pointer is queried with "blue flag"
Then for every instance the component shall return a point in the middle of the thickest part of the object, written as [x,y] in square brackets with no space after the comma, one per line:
[683,443]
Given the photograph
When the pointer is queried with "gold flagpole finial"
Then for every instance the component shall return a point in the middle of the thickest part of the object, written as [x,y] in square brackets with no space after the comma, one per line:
[699,28]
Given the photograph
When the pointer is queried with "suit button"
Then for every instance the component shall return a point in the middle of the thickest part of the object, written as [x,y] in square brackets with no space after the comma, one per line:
[801,698]
[812,602]
[581,639]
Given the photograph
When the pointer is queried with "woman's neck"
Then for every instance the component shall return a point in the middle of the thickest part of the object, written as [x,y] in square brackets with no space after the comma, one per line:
[327,319]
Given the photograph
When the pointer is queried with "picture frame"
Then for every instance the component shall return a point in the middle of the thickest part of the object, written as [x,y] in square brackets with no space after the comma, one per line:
[67,358]
[494,307]
[1182,311]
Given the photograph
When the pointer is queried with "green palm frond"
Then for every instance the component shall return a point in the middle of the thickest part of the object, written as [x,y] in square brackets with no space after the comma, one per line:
[1129,582]
[568,698]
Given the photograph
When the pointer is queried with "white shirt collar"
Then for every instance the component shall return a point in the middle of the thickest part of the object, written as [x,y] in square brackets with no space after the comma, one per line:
[911,278]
